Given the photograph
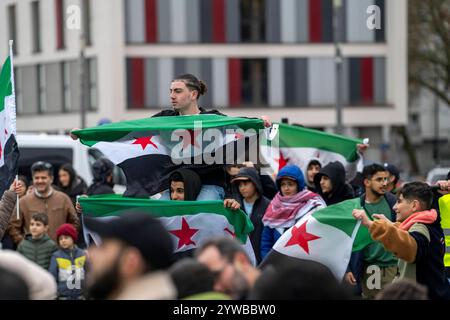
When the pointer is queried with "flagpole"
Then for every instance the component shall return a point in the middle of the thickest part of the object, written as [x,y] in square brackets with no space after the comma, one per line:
[13,114]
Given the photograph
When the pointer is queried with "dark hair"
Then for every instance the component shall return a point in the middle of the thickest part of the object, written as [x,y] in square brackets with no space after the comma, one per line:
[228,248]
[298,280]
[417,191]
[42,166]
[67,167]
[12,286]
[314,163]
[177,177]
[192,83]
[24,180]
[191,277]
[41,217]
[371,170]
[404,289]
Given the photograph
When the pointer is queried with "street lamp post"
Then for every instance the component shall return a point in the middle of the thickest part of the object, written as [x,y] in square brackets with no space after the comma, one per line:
[82,70]
[337,5]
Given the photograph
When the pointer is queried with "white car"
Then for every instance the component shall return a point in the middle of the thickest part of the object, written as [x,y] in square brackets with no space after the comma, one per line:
[60,149]
[437,174]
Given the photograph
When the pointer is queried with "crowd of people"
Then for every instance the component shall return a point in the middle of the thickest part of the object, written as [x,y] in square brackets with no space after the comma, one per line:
[42,233]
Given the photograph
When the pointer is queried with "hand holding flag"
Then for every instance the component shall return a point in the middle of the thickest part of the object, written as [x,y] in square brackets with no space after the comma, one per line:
[360,214]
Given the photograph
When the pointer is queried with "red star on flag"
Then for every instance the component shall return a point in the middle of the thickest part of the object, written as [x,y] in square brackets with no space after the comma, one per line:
[230,232]
[301,237]
[144,142]
[184,234]
[192,141]
[282,161]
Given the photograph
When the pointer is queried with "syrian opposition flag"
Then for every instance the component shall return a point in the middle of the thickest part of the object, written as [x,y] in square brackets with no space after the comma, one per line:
[9,152]
[189,222]
[148,150]
[299,145]
[327,236]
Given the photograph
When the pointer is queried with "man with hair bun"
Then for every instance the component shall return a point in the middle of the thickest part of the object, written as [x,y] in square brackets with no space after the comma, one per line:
[185,91]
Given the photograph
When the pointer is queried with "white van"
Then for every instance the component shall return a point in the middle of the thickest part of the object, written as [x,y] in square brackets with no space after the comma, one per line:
[58,150]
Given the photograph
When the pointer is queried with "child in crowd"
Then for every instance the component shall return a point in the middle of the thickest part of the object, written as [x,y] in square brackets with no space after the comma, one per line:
[37,246]
[67,264]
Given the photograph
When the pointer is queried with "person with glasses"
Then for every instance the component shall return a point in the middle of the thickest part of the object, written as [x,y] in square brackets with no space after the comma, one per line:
[375,200]
[57,205]
[234,273]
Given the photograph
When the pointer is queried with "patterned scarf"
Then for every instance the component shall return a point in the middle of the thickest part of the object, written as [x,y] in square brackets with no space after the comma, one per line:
[284,212]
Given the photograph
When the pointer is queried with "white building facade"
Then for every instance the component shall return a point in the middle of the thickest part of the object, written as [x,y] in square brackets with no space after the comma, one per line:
[258,57]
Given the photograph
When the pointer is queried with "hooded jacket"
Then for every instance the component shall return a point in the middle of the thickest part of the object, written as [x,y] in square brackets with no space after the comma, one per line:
[271,235]
[192,183]
[293,172]
[101,169]
[259,208]
[341,190]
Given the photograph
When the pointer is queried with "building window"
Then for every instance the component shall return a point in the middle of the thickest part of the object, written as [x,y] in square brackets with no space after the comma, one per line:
[36,25]
[93,96]
[253,21]
[59,13]
[41,80]
[18,89]
[13,26]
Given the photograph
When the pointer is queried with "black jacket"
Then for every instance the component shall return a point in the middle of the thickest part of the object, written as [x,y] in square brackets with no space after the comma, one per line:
[341,190]
[259,209]
[77,188]
[171,112]
[430,269]
[211,174]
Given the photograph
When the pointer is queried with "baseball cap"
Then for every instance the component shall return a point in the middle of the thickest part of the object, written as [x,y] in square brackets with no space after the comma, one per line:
[139,230]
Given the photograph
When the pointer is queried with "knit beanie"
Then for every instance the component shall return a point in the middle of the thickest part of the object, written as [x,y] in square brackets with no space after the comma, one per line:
[68,230]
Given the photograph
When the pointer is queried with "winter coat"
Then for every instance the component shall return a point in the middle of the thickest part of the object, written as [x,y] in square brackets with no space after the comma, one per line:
[38,250]
[68,269]
[6,209]
[259,208]
[77,188]
[57,206]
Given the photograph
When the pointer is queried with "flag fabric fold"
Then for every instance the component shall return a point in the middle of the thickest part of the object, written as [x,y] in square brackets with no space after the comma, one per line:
[9,151]
[189,222]
[298,145]
[327,236]
[149,150]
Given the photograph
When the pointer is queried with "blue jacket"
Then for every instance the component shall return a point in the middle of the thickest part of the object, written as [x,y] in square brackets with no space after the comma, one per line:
[67,266]
[268,238]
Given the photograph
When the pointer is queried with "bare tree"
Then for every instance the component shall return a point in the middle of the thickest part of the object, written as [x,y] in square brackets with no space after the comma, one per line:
[429,46]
